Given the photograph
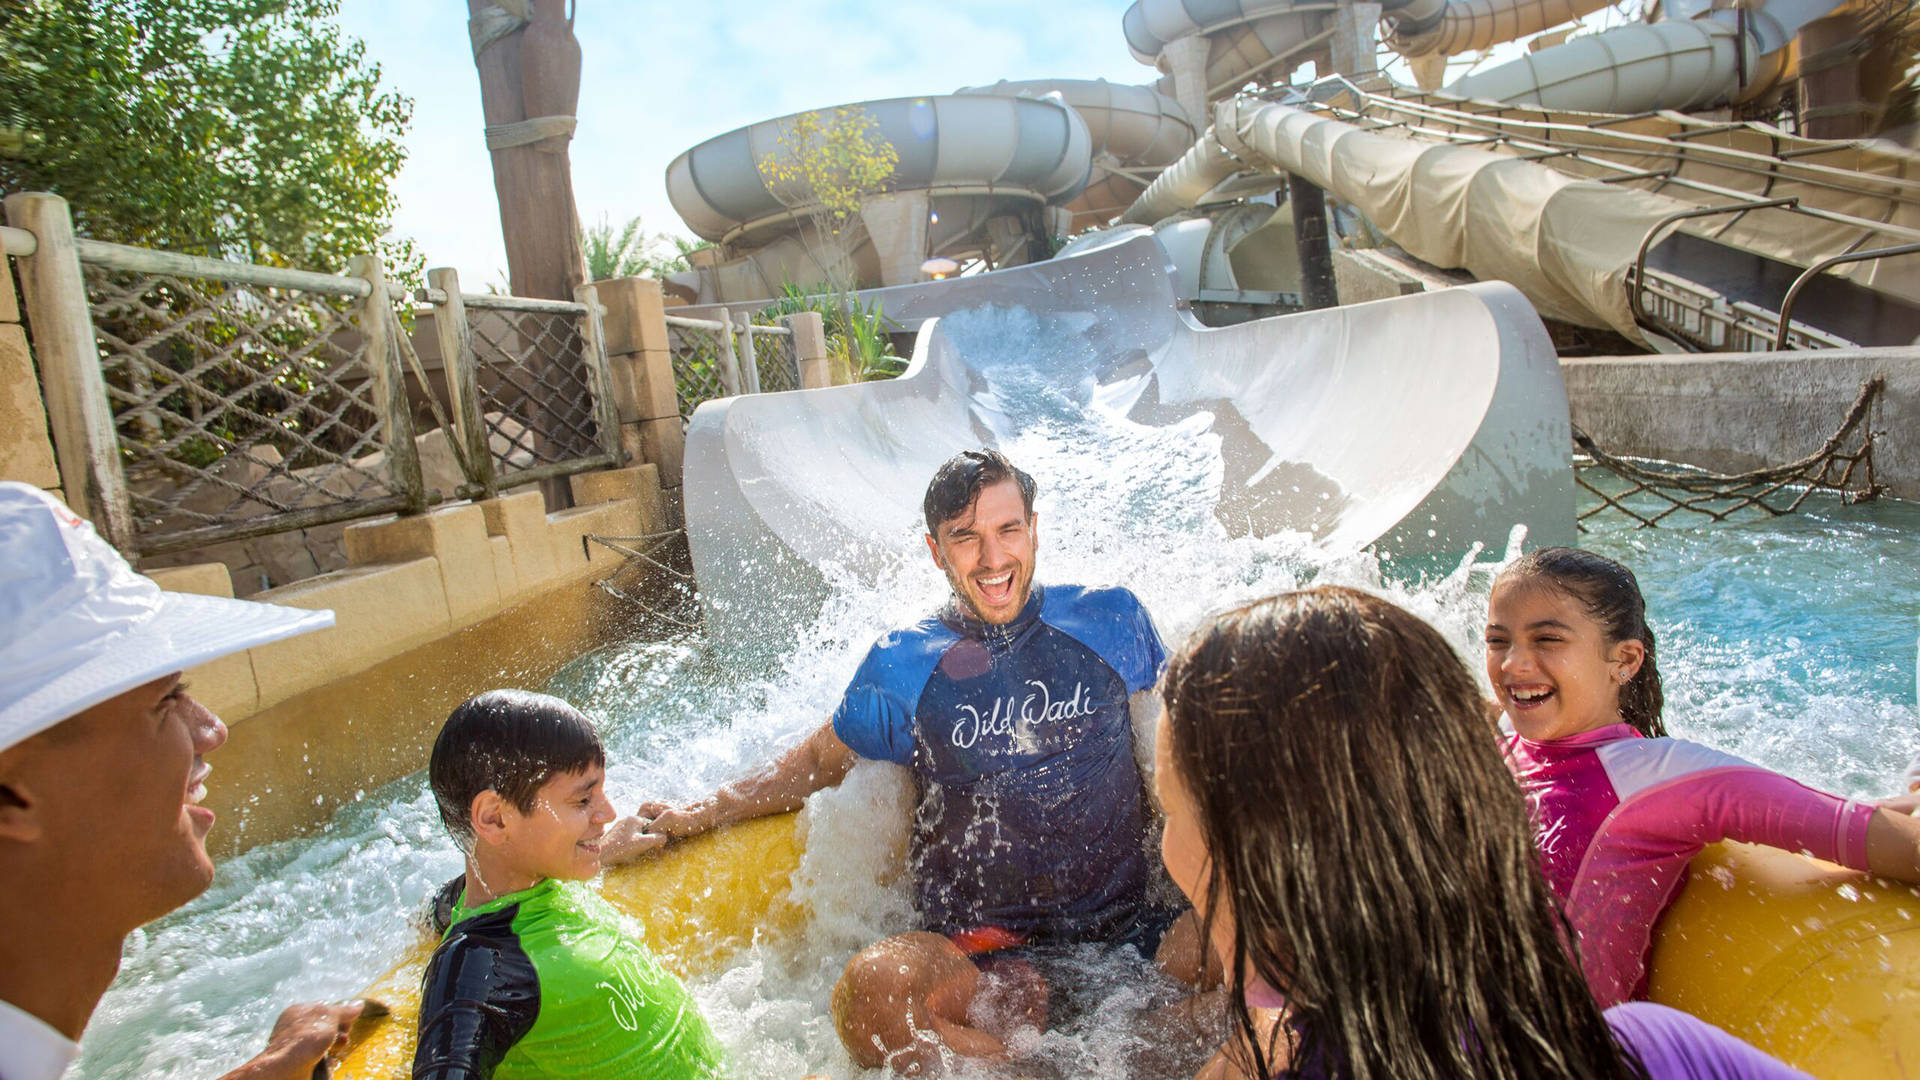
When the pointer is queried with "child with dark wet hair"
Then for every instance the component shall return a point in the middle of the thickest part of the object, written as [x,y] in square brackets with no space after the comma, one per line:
[1620,807]
[537,976]
[1364,866]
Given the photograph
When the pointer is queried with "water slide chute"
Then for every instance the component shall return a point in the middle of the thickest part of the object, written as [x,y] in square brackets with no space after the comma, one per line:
[975,172]
[1208,48]
[1671,64]
[1134,132]
[1328,424]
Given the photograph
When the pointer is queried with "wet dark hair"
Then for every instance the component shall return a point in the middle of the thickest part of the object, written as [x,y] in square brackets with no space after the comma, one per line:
[509,741]
[1374,852]
[958,483]
[1612,598]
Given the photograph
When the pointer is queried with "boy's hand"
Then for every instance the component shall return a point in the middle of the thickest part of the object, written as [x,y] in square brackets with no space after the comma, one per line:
[627,839]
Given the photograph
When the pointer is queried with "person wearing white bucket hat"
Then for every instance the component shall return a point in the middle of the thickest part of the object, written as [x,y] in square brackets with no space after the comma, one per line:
[101,776]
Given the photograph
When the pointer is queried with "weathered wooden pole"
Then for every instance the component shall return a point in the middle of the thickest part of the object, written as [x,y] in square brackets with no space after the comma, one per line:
[529,65]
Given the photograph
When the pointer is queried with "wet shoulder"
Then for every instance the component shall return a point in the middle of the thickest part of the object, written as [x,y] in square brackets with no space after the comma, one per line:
[901,660]
[1113,624]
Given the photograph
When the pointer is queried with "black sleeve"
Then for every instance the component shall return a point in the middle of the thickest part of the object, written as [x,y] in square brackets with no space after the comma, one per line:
[479,997]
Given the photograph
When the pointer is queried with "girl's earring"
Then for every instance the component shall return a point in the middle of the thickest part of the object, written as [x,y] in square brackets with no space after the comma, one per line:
[1624,676]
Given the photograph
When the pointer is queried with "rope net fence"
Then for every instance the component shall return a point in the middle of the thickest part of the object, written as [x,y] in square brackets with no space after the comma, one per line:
[1652,492]
[235,401]
[535,394]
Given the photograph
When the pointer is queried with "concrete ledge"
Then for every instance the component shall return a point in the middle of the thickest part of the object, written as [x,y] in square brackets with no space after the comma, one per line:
[521,519]
[455,537]
[227,685]
[379,611]
[1736,411]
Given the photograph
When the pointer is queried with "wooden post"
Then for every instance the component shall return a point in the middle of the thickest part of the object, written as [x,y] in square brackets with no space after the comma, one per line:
[463,379]
[78,411]
[606,415]
[729,360]
[809,348]
[529,64]
[749,360]
[388,382]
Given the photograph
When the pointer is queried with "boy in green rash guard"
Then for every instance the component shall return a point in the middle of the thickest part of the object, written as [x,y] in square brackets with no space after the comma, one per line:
[538,976]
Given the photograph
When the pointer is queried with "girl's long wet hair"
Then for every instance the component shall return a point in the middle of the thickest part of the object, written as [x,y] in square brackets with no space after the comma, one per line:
[1611,595]
[1373,850]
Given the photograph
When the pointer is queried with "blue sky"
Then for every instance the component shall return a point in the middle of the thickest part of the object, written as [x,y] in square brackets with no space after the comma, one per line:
[659,77]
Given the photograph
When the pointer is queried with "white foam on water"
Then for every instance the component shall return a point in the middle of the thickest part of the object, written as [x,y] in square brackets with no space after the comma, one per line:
[1120,503]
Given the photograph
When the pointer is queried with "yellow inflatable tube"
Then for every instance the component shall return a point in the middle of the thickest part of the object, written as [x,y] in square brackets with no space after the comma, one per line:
[699,901]
[1817,965]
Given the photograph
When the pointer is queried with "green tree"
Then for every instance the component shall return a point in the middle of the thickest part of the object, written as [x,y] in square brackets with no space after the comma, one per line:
[630,251]
[244,129]
[828,162]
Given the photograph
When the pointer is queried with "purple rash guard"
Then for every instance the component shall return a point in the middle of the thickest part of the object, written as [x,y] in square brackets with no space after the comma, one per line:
[1030,812]
[1677,1046]
[1672,1045]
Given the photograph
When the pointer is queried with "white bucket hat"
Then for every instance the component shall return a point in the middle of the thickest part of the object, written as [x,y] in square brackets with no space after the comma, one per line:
[78,626]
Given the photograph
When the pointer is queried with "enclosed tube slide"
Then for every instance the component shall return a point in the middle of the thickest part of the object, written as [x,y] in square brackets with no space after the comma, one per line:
[1324,427]
[1567,243]
[1446,27]
[1134,130]
[1211,47]
[1642,67]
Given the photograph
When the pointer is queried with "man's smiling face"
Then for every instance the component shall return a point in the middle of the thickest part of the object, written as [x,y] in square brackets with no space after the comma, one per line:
[988,552]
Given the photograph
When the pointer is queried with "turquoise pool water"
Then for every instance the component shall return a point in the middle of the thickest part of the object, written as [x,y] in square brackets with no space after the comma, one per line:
[1788,641]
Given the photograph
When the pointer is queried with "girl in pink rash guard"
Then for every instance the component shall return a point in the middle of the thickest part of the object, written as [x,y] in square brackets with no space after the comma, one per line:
[1619,807]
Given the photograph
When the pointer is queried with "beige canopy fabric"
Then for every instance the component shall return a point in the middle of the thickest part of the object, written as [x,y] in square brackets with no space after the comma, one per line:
[1875,184]
[1567,243]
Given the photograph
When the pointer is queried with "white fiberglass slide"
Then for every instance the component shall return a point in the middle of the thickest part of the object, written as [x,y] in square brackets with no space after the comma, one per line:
[1420,425]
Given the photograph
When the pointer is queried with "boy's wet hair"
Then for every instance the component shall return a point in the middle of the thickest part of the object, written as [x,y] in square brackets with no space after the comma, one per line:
[1611,595]
[958,483]
[511,742]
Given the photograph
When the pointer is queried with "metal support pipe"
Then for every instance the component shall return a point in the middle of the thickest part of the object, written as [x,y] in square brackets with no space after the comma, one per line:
[1310,237]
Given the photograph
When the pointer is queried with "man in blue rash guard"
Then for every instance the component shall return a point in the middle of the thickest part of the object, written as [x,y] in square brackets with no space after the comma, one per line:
[1011,706]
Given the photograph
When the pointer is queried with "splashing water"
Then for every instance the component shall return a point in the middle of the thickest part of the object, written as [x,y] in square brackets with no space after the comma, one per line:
[1788,641]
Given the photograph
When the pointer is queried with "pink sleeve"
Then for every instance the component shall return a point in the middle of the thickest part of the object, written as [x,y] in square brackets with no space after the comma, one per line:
[1756,806]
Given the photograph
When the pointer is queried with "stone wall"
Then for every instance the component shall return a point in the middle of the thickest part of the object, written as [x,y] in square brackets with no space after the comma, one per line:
[1737,411]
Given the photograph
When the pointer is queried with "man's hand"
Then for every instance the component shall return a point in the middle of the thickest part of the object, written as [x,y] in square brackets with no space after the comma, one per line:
[303,1035]
[677,823]
[628,839]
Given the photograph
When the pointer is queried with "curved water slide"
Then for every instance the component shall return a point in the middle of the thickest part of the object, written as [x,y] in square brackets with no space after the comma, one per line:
[976,174]
[1207,49]
[1325,428]
[1135,131]
[1724,56]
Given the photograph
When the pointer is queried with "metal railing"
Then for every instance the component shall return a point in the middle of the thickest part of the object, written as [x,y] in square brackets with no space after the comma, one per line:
[705,365]
[728,356]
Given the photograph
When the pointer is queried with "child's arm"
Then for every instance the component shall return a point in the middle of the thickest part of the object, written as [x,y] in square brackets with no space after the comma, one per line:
[479,997]
[1893,839]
